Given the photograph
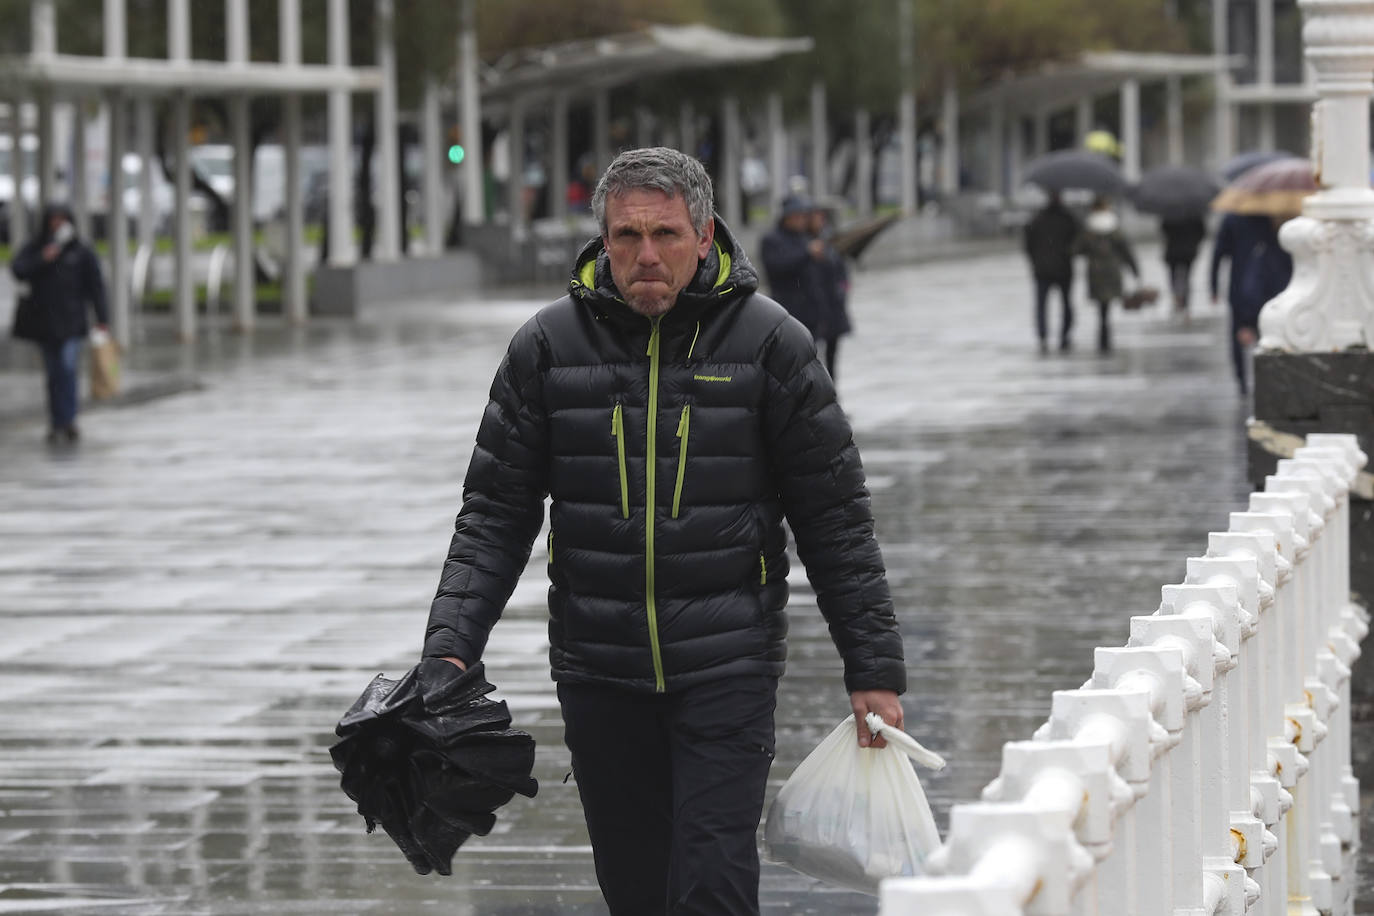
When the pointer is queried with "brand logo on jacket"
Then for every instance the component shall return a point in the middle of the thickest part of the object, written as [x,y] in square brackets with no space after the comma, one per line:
[712,378]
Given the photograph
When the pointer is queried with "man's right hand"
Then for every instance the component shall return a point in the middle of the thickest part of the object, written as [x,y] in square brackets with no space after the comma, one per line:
[462,666]
[51,251]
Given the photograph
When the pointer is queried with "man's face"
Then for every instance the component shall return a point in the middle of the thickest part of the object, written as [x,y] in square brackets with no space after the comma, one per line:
[653,249]
[799,222]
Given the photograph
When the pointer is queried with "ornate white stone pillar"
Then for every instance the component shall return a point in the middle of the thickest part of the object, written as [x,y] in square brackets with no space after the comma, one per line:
[1329,305]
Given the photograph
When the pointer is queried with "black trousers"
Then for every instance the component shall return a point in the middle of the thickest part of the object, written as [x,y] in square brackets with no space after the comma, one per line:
[1043,285]
[672,788]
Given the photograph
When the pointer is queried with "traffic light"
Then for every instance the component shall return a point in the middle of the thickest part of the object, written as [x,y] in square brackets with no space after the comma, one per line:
[456,153]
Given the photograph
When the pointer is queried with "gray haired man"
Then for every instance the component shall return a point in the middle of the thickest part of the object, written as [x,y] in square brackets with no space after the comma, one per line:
[675,418]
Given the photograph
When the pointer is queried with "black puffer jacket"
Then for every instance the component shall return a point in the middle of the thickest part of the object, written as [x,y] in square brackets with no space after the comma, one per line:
[672,450]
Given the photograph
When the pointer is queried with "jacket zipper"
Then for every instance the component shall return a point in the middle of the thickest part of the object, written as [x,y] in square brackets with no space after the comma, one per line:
[763,570]
[618,430]
[682,427]
[650,479]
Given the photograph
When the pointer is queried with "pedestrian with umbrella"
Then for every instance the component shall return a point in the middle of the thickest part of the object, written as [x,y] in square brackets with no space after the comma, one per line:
[1256,204]
[1051,236]
[1180,196]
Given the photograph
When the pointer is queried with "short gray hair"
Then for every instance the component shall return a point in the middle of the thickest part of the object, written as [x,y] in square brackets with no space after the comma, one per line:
[658,168]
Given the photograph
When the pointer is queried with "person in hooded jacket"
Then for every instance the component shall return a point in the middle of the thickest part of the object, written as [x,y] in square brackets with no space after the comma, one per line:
[832,286]
[791,255]
[65,286]
[1259,270]
[1107,253]
[676,418]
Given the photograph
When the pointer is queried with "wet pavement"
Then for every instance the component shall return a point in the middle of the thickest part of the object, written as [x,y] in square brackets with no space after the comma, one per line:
[192,596]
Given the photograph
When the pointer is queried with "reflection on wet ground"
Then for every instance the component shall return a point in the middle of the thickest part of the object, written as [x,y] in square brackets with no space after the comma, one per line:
[192,597]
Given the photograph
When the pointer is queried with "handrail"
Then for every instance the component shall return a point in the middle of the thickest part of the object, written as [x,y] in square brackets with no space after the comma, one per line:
[1205,766]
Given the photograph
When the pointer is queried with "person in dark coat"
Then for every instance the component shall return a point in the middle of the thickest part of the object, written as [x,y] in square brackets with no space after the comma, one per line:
[1259,270]
[675,418]
[65,286]
[1048,240]
[1107,253]
[790,255]
[832,284]
[1182,238]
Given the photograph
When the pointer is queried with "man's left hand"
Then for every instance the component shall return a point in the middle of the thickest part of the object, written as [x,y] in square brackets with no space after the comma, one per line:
[885,703]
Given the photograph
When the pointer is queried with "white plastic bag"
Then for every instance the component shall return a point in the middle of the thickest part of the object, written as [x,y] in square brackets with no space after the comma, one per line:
[853,815]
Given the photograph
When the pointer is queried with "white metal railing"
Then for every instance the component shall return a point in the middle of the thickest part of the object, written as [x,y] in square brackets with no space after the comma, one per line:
[1205,767]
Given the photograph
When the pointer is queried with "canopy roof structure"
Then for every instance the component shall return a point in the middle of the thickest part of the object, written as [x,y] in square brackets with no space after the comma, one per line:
[613,60]
[1092,73]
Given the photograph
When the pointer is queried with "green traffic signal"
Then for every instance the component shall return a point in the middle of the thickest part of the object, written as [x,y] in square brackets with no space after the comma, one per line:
[455,153]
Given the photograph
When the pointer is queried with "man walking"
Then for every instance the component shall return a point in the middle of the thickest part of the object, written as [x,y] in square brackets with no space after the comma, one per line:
[1048,241]
[793,259]
[676,418]
[65,285]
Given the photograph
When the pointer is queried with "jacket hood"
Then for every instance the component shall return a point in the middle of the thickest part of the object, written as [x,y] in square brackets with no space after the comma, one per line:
[1104,222]
[725,273]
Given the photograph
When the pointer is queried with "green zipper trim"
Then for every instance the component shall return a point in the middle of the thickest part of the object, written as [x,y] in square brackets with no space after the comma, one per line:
[763,570]
[650,462]
[618,430]
[682,427]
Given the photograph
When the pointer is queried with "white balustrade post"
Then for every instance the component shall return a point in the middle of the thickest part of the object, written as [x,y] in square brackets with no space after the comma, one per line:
[1328,305]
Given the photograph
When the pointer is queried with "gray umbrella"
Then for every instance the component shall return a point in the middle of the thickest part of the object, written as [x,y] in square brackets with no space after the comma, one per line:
[1174,192]
[1240,164]
[1076,169]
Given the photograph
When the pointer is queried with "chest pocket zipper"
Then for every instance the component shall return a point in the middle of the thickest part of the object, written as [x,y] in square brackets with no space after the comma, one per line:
[683,425]
[618,431]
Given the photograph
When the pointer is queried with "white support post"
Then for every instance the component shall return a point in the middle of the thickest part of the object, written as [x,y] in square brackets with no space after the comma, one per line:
[949,129]
[687,128]
[178,30]
[295,302]
[342,252]
[184,298]
[1264,43]
[1016,154]
[906,110]
[241,211]
[601,130]
[820,142]
[431,141]
[47,149]
[1328,306]
[470,104]
[728,195]
[863,153]
[1130,130]
[116,44]
[17,211]
[388,183]
[558,155]
[997,147]
[906,149]
[1223,108]
[1083,117]
[76,178]
[1173,118]
[777,153]
[515,186]
[236,31]
[147,159]
[118,226]
[43,28]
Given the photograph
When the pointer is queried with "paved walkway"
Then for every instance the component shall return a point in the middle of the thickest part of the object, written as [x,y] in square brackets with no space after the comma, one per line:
[191,597]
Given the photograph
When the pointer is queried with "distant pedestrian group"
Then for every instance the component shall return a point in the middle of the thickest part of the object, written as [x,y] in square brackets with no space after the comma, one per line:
[1052,239]
[1259,269]
[806,275]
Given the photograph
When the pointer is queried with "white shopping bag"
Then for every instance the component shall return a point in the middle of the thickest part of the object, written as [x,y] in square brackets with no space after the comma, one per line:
[853,815]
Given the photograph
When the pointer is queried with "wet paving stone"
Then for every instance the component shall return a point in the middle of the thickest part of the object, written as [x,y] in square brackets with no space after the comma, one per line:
[191,597]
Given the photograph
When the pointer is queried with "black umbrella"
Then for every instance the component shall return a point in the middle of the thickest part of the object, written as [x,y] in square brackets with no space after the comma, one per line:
[1240,164]
[430,758]
[1174,192]
[1076,169]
